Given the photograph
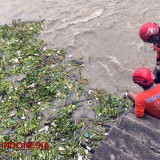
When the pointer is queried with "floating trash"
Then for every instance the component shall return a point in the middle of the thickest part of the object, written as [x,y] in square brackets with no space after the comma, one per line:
[87,135]
[80,157]
[61,148]
[27,109]
[23,117]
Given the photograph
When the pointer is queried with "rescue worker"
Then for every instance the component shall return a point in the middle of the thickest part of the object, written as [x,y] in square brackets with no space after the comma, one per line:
[150,32]
[149,99]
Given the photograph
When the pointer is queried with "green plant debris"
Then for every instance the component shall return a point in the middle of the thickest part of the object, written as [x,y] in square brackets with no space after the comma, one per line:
[40,91]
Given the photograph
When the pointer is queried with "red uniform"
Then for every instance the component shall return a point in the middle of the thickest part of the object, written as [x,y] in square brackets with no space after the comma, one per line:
[148,100]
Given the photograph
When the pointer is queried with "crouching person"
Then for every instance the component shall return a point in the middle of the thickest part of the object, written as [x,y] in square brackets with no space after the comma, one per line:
[149,99]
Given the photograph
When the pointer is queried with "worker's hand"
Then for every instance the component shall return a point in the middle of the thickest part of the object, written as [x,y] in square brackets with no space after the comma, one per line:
[124,95]
[157,48]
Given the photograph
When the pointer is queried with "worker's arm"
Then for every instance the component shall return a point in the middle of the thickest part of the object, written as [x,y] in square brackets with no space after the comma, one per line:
[132,96]
[139,109]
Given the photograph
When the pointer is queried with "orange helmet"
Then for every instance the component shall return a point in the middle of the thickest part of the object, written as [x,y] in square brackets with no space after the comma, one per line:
[143,76]
[147,30]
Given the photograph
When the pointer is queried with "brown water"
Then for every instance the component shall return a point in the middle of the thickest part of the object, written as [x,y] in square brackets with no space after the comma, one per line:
[104,33]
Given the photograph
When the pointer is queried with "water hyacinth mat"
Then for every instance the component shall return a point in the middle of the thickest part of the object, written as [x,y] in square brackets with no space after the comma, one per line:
[44,98]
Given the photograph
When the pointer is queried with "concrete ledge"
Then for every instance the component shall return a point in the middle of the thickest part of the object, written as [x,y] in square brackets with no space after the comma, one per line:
[108,152]
[130,145]
[147,120]
[146,135]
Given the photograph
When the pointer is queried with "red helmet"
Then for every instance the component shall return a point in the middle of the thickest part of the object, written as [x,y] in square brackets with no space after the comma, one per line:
[148,29]
[143,76]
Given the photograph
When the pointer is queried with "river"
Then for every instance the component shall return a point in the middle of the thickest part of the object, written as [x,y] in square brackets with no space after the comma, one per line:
[103,32]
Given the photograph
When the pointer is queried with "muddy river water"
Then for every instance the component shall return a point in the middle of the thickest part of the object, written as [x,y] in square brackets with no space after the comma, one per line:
[103,32]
